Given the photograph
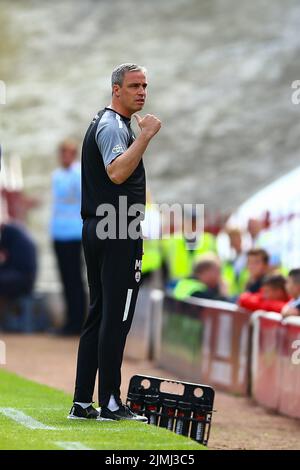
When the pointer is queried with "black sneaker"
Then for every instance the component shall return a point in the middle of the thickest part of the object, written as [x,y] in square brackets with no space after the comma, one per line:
[124,412]
[77,412]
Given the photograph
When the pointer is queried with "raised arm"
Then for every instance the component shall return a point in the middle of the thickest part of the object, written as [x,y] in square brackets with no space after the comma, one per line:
[124,165]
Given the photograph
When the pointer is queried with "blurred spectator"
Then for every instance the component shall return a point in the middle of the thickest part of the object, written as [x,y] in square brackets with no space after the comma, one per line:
[18,263]
[293,288]
[234,270]
[272,296]
[255,227]
[66,227]
[181,249]
[206,282]
[258,267]
[266,238]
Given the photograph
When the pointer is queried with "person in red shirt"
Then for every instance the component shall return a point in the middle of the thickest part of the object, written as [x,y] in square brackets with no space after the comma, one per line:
[271,297]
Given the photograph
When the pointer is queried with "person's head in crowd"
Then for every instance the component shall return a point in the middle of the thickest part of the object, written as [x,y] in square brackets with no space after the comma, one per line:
[207,270]
[274,287]
[235,238]
[254,227]
[67,152]
[257,263]
[293,283]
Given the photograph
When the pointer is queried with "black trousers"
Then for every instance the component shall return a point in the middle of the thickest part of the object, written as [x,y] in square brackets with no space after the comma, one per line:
[68,255]
[114,276]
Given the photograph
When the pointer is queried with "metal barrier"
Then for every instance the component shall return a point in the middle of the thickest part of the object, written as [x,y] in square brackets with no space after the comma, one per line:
[289,396]
[207,341]
[265,358]
[276,362]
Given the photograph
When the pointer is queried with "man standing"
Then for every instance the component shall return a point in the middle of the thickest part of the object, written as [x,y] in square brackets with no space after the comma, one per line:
[66,230]
[112,169]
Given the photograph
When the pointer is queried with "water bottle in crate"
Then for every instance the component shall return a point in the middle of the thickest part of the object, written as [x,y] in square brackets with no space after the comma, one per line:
[188,414]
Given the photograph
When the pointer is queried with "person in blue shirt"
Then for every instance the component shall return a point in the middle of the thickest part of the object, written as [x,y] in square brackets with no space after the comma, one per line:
[66,227]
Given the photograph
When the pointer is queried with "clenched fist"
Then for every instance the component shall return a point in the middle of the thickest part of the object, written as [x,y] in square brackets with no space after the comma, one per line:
[149,124]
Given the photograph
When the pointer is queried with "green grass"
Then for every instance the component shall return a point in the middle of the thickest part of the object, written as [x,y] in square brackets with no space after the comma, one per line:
[50,407]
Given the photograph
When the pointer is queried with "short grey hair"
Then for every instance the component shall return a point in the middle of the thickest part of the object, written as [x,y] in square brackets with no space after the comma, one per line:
[118,73]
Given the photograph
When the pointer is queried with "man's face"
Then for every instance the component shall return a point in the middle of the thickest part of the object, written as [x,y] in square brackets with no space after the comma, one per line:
[273,293]
[132,94]
[236,241]
[211,276]
[292,287]
[254,227]
[256,266]
[67,156]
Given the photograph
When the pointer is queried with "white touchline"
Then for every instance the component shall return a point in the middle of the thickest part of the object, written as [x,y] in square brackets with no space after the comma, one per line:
[24,420]
[127,305]
[71,445]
